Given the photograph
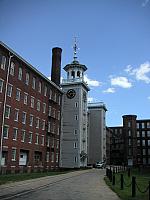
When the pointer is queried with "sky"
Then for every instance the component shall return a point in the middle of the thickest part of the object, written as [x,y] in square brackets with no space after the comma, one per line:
[113,37]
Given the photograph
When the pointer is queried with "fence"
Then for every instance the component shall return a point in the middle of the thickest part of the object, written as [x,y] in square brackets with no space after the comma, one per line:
[110,173]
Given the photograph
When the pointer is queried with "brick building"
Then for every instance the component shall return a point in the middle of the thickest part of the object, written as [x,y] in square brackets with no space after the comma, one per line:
[130,143]
[30,114]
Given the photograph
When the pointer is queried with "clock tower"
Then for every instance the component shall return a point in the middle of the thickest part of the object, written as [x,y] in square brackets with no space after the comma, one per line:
[74,116]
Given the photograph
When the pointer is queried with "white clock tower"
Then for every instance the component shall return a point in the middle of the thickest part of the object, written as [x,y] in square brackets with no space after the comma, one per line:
[74,116]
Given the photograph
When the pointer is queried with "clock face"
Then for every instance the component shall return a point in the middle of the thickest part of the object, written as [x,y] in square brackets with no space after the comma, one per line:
[71,93]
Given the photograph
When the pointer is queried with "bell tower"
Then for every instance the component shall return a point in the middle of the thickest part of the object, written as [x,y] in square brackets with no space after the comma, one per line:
[74,115]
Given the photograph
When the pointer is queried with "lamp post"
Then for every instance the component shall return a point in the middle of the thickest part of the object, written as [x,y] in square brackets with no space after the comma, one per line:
[4,106]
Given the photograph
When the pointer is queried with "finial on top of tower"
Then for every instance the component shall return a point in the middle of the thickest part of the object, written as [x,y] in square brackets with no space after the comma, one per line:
[75,48]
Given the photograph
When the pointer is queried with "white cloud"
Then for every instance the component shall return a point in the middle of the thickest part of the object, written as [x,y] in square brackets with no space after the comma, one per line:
[144,3]
[109,90]
[121,81]
[91,82]
[140,73]
[148,98]
[90,99]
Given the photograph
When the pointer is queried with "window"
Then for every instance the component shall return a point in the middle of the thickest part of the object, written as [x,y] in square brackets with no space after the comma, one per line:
[25,98]
[15,133]
[143,125]
[47,156]
[7,111]
[38,105]
[130,152]
[76,104]
[18,94]
[143,133]
[53,128]
[148,142]
[44,107]
[3,62]
[49,126]
[31,120]
[75,145]
[144,152]
[43,125]
[12,68]
[50,94]
[59,99]
[58,115]
[49,110]
[42,140]
[137,125]
[138,142]
[56,157]
[20,73]
[32,102]
[52,158]
[55,96]
[9,90]
[75,159]
[27,79]
[129,142]
[129,124]
[33,82]
[5,131]
[24,117]
[138,134]
[40,87]
[37,122]
[30,137]
[1,85]
[58,131]
[129,133]
[16,115]
[23,135]
[57,145]
[48,141]
[148,124]
[149,152]
[75,131]
[76,117]
[37,138]
[13,154]
[143,142]
[45,91]
[148,133]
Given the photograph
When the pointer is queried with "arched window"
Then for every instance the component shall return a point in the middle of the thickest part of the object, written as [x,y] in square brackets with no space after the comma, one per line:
[78,73]
[73,74]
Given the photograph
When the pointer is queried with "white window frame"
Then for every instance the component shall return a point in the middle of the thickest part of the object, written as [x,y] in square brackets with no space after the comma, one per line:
[27,78]
[18,91]
[12,69]
[30,137]
[43,125]
[3,62]
[13,154]
[23,135]
[16,112]
[32,101]
[57,157]
[20,73]
[45,90]
[42,140]
[49,110]
[37,122]
[6,126]
[47,156]
[33,83]
[52,156]
[1,85]
[15,130]
[40,87]
[49,127]
[24,118]
[48,141]
[31,120]
[25,100]
[38,105]
[58,115]
[9,86]
[50,93]
[44,107]
[37,138]
[9,109]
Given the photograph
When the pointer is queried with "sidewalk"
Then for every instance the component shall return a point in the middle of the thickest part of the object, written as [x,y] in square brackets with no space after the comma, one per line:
[7,191]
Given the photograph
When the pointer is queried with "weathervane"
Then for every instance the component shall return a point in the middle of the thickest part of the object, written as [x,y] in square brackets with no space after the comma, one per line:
[75,48]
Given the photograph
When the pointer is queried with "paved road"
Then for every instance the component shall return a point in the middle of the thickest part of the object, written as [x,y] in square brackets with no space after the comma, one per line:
[80,185]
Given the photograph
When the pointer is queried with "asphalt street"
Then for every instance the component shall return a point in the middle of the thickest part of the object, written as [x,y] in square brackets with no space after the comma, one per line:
[80,185]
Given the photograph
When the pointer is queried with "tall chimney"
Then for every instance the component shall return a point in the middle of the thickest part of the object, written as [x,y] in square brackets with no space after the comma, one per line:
[56,65]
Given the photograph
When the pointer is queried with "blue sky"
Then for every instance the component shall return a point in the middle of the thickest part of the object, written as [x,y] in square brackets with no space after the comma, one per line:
[114,41]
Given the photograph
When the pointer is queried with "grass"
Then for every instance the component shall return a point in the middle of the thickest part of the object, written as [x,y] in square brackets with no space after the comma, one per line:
[142,180]
[7,178]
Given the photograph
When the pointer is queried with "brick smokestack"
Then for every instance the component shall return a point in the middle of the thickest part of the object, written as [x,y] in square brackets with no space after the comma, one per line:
[56,65]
